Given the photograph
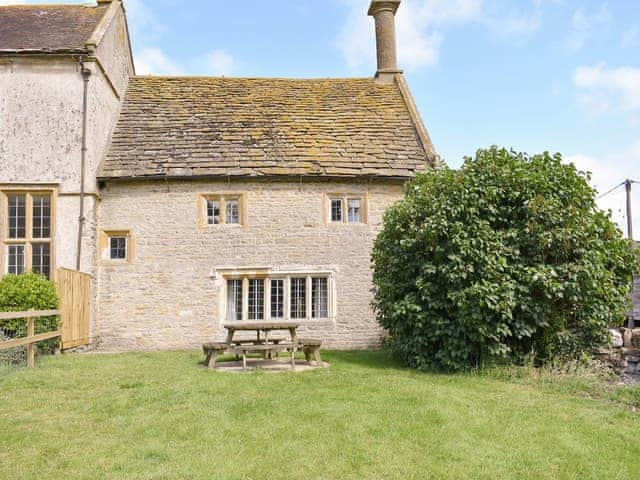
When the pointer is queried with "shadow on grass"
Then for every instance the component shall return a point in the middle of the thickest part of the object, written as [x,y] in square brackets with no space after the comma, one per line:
[375,359]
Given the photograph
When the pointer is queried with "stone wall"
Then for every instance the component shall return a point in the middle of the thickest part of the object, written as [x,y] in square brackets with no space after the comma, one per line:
[167,297]
[41,132]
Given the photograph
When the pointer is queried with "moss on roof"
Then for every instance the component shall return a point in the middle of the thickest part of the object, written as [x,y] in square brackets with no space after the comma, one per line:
[47,28]
[204,126]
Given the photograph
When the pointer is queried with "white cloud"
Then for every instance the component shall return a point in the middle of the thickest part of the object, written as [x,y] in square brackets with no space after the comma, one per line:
[155,61]
[421,26]
[147,30]
[604,89]
[607,172]
[218,62]
[585,25]
[418,30]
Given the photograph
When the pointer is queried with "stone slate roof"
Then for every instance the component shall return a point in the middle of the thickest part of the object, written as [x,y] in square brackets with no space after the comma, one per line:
[47,28]
[205,126]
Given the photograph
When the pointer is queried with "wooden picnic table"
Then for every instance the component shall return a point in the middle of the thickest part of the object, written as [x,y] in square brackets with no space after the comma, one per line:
[262,326]
[263,345]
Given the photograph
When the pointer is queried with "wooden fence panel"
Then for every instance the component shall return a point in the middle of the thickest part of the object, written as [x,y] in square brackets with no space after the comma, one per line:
[74,290]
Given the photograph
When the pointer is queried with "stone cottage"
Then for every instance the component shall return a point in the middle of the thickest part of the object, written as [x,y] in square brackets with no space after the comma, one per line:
[196,200]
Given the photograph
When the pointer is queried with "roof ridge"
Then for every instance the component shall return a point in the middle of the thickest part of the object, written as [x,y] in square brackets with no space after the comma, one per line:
[220,77]
[52,5]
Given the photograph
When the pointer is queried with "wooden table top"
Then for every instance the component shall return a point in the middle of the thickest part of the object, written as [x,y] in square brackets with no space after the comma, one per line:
[261,325]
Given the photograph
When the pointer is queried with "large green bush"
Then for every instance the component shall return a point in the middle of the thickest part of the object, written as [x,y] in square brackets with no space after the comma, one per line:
[506,258]
[23,292]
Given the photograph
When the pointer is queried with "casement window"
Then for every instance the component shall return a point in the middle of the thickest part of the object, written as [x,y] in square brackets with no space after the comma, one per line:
[27,236]
[276,298]
[281,297]
[256,299]
[319,297]
[298,298]
[336,210]
[234,300]
[227,209]
[354,207]
[346,209]
[116,247]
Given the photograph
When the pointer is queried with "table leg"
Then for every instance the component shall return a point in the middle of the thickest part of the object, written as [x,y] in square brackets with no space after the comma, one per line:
[244,360]
[267,354]
[230,333]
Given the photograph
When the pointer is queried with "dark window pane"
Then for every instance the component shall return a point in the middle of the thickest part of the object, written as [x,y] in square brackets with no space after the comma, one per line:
[213,212]
[15,264]
[41,216]
[118,248]
[234,300]
[17,216]
[298,298]
[320,298]
[336,210]
[41,259]
[256,299]
[277,298]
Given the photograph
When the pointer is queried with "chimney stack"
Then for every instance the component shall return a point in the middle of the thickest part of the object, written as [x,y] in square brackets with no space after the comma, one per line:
[384,14]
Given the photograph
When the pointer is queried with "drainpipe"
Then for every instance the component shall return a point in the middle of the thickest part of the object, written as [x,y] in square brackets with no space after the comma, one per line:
[86,73]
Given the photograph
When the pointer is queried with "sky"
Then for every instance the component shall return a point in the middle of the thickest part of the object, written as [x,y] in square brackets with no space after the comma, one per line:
[532,75]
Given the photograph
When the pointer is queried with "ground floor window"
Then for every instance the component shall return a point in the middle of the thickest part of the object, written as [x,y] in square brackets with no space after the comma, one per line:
[294,297]
[27,231]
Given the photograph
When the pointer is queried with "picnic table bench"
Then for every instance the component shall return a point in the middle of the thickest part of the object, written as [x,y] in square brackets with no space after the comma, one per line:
[265,345]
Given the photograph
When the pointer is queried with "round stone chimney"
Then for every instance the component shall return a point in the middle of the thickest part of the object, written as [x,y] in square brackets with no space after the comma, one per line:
[384,14]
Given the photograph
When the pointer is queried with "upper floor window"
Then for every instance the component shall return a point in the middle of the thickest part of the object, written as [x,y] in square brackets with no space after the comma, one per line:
[347,209]
[27,236]
[227,209]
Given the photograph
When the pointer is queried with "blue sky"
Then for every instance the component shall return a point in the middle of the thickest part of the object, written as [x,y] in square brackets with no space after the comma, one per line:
[535,75]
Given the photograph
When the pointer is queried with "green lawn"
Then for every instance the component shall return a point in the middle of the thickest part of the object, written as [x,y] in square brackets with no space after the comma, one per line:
[163,416]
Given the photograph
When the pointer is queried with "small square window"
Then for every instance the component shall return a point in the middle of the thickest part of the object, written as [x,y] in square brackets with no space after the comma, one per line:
[118,248]
[336,210]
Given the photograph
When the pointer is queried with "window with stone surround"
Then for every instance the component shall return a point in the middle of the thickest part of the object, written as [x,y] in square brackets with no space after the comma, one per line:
[116,247]
[222,209]
[345,208]
[295,296]
[27,223]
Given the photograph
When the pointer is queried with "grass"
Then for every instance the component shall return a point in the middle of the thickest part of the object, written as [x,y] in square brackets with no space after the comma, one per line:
[156,416]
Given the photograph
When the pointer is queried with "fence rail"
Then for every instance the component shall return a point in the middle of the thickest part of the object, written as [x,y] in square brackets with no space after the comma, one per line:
[31,339]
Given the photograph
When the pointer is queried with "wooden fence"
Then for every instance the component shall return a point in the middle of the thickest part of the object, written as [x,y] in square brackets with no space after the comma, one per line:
[74,290]
[31,339]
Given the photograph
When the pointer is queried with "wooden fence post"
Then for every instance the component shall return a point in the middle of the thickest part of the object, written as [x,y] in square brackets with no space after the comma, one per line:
[31,331]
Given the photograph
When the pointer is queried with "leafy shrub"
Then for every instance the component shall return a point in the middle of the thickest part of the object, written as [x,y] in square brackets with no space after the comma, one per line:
[28,291]
[505,259]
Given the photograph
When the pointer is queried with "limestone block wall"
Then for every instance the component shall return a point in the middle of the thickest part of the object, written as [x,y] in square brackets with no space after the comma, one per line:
[167,296]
